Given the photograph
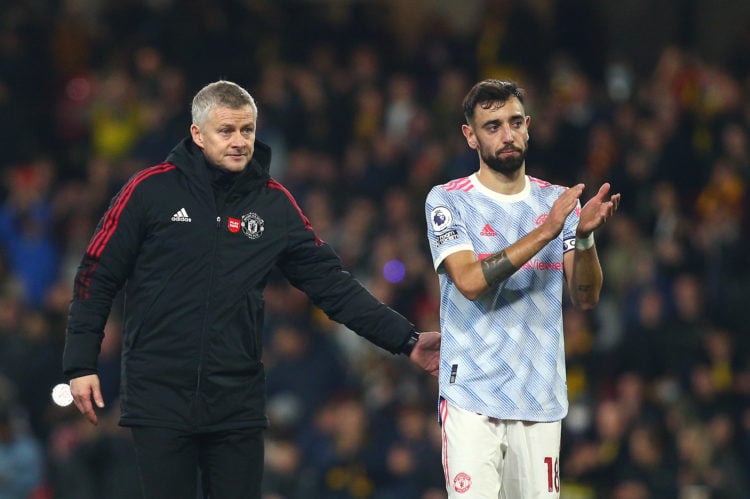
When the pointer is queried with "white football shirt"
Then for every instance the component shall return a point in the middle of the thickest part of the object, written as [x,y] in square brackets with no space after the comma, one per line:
[502,355]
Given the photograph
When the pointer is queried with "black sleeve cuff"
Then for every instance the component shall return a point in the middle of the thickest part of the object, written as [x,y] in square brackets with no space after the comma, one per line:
[77,373]
[410,342]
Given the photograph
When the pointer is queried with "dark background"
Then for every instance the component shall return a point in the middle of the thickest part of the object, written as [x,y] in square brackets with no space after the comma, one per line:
[361,102]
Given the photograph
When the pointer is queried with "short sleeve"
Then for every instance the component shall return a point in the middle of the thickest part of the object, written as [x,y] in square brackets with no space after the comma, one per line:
[446,231]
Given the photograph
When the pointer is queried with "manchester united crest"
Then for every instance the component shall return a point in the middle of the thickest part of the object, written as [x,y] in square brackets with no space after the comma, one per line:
[462,482]
[252,225]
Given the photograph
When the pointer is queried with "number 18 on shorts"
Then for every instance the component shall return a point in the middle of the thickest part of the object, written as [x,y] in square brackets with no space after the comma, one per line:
[490,458]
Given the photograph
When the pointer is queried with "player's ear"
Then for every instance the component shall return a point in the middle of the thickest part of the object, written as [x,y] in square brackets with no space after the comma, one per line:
[469,134]
[528,124]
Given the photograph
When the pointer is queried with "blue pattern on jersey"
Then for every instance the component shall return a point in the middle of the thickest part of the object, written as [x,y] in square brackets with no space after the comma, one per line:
[507,344]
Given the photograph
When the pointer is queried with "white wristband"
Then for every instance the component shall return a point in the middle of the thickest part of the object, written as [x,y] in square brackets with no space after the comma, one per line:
[585,242]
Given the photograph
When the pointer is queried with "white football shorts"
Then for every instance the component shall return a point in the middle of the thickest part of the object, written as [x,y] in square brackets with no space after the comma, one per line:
[491,458]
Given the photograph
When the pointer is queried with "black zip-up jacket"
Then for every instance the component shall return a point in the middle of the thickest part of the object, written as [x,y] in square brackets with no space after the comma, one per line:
[194,270]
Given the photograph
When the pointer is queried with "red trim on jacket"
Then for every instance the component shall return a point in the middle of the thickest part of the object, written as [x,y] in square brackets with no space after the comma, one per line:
[273,184]
[112,217]
[109,226]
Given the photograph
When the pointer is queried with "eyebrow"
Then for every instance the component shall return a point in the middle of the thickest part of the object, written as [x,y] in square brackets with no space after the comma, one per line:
[228,124]
[496,121]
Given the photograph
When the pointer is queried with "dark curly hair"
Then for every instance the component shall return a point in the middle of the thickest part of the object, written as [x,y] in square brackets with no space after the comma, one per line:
[486,92]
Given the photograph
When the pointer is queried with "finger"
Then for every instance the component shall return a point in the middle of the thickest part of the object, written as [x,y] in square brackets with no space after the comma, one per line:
[85,407]
[98,399]
[91,416]
[80,398]
[616,200]
[573,191]
[80,405]
[569,198]
[603,190]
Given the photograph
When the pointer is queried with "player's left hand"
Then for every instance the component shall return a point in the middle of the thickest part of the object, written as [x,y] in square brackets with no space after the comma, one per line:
[426,352]
[597,210]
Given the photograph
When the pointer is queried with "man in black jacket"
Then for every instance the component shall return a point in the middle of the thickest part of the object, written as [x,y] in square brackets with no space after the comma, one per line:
[193,240]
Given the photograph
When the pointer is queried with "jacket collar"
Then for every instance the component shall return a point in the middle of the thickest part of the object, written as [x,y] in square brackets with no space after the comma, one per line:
[189,159]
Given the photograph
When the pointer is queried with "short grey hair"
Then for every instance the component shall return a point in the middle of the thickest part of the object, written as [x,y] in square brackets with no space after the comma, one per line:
[220,93]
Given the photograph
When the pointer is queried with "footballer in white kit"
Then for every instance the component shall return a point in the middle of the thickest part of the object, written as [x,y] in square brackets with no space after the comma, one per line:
[505,246]
[501,354]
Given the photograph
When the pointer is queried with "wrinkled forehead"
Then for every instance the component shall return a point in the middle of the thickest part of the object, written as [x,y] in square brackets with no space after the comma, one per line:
[222,114]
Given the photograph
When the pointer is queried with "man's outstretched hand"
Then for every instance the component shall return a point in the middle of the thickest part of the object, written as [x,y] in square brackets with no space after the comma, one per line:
[426,352]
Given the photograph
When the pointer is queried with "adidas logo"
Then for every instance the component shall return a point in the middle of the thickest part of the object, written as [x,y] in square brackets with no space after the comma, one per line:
[488,231]
[181,216]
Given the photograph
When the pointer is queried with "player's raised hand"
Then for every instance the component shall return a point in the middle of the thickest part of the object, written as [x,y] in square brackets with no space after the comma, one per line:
[561,208]
[597,210]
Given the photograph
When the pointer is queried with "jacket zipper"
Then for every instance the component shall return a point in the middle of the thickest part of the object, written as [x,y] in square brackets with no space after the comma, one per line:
[204,327]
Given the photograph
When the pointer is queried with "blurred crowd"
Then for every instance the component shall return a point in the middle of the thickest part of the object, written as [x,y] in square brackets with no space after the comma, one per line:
[363,111]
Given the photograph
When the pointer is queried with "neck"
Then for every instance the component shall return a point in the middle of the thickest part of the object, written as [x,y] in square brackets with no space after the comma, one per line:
[502,183]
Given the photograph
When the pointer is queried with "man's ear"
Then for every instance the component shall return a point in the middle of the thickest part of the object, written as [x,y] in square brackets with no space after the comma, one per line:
[469,134]
[528,124]
[195,132]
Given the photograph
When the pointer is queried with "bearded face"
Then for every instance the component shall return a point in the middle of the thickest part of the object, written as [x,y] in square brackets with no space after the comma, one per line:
[507,160]
[500,134]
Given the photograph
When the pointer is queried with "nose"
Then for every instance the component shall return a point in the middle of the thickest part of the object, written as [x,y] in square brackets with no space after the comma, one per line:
[237,139]
[506,134]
